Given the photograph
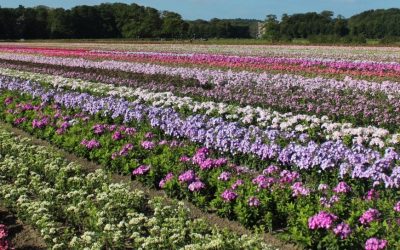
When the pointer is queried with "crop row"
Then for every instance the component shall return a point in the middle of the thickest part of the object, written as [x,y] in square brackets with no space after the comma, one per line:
[228,137]
[76,210]
[208,76]
[314,205]
[321,65]
[303,125]
[370,53]
[359,107]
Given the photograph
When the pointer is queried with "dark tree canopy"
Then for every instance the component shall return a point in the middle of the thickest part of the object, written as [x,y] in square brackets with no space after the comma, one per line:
[374,24]
[119,20]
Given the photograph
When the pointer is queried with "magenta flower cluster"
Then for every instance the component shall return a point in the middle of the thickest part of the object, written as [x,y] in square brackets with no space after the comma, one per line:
[253,201]
[123,152]
[164,180]
[238,183]
[147,145]
[4,243]
[342,187]
[196,186]
[375,244]
[141,170]
[194,183]
[90,144]
[342,230]
[322,220]
[229,195]
[40,123]
[299,190]
[224,176]
[369,216]
[397,207]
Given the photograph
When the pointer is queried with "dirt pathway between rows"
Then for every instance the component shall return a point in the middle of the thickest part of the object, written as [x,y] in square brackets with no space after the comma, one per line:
[20,235]
[211,219]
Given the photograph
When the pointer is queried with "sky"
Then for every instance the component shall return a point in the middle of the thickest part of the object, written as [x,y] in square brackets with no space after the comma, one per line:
[207,9]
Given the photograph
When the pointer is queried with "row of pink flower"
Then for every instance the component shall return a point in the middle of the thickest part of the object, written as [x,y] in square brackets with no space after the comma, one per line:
[210,59]
[370,53]
[326,220]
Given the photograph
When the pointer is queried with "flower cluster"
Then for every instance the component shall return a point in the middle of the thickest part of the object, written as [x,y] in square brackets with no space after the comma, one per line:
[90,144]
[369,216]
[141,170]
[322,220]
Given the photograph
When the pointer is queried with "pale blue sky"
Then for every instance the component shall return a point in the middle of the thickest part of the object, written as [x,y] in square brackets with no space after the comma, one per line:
[206,9]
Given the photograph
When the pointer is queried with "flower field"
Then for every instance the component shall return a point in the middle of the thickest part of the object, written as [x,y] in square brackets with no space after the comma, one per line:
[298,142]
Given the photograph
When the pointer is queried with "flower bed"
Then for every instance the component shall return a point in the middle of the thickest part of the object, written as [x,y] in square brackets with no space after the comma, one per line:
[312,203]
[76,210]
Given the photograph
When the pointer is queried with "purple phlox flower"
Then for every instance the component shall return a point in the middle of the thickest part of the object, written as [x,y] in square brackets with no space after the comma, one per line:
[187,177]
[220,162]
[397,207]
[184,158]
[98,129]
[147,145]
[141,170]
[117,136]
[111,128]
[288,176]
[224,176]
[167,178]
[238,183]
[130,131]
[8,101]
[123,152]
[196,186]
[323,187]
[200,156]
[342,230]
[19,120]
[229,195]
[334,199]
[163,142]
[369,216]
[263,182]
[253,201]
[299,190]
[41,123]
[206,164]
[371,195]
[342,187]
[375,244]
[270,170]
[149,135]
[322,220]
[91,144]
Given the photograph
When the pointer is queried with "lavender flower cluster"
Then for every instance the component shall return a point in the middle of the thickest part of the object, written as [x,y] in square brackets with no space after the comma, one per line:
[356,162]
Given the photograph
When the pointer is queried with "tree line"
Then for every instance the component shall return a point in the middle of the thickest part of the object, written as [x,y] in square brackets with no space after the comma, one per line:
[119,20]
[115,20]
[324,27]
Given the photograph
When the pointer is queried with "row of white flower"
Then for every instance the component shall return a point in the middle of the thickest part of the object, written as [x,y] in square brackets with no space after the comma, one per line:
[46,191]
[265,118]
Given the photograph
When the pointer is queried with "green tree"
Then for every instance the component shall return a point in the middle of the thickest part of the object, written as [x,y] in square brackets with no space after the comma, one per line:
[272,28]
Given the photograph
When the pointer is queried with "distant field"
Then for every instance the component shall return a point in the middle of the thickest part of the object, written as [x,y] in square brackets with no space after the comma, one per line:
[370,42]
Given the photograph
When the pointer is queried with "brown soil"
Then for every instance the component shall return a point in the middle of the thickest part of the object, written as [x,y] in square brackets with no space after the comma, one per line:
[20,235]
[211,219]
